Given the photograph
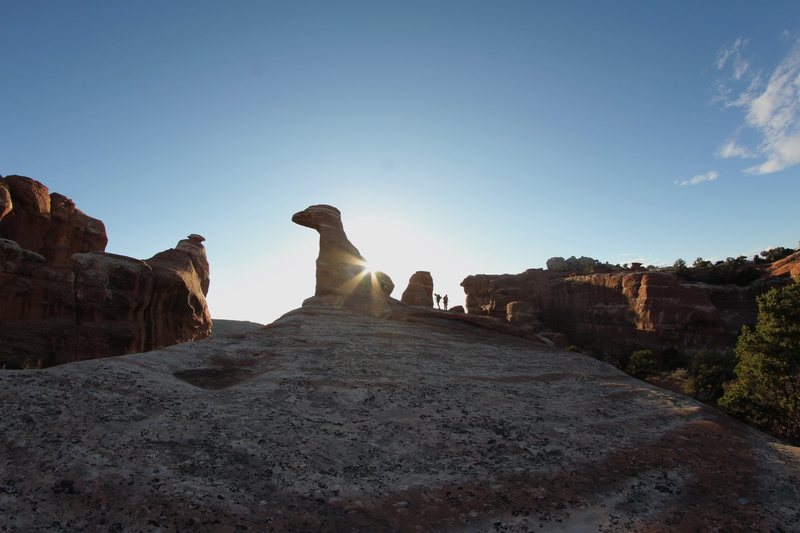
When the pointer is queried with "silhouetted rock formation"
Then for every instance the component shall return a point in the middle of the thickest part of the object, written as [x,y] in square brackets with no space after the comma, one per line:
[342,275]
[420,290]
[615,313]
[63,299]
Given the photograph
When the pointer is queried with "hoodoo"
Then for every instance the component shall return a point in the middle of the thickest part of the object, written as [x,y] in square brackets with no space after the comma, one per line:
[342,273]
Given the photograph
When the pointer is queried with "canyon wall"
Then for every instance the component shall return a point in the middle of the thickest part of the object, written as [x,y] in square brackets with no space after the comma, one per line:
[62,298]
[617,312]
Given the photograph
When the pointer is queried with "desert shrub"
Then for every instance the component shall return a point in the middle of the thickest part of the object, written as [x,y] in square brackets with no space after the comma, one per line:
[767,391]
[702,263]
[776,254]
[643,363]
[708,373]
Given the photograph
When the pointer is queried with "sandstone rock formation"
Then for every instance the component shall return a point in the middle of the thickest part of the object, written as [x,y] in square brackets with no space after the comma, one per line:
[615,313]
[48,224]
[788,266]
[419,290]
[5,200]
[342,274]
[63,299]
[327,420]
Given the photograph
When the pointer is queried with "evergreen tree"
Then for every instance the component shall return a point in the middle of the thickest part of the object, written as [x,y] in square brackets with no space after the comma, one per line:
[767,391]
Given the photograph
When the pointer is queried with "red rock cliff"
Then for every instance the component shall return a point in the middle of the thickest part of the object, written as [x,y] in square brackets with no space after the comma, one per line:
[63,299]
[617,312]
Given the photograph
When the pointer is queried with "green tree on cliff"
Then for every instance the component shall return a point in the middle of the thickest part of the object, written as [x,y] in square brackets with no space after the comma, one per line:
[767,392]
[708,373]
[776,254]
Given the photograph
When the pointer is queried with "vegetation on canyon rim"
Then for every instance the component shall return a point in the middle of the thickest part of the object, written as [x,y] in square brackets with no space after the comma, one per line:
[767,389]
[760,382]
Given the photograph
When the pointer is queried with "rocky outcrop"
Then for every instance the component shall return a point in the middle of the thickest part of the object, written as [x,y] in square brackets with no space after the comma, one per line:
[342,275]
[5,200]
[45,223]
[615,313]
[64,299]
[787,267]
[420,290]
[328,420]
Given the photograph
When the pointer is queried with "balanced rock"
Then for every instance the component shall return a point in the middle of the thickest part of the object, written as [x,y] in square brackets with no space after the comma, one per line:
[419,290]
[342,274]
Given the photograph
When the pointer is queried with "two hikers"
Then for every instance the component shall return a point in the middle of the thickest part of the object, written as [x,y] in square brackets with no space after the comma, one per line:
[439,300]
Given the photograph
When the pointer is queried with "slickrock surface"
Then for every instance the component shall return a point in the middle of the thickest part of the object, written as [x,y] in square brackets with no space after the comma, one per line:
[327,420]
[788,266]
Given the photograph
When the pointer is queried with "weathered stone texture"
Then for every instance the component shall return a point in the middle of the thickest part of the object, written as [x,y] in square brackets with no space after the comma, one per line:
[619,311]
[62,298]
[328,420]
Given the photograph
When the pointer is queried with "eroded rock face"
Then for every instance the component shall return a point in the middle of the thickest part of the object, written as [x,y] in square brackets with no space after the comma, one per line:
[342,273]
[618,312]
[181,282]
[48,224]
[5,199]
[64,299]
[788,266]
[420,290]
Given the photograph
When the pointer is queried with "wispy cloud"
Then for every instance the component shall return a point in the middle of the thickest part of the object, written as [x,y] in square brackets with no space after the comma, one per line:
[700,178]
[771,108]
[732,56]
[733,149]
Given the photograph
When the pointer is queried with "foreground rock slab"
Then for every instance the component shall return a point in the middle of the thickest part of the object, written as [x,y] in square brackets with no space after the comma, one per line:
[333,421]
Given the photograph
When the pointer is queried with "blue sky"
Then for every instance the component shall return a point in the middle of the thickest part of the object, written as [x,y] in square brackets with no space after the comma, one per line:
[456,137]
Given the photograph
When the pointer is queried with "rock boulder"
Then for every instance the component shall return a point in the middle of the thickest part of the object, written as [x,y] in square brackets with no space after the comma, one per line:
[48,224]
[420,290]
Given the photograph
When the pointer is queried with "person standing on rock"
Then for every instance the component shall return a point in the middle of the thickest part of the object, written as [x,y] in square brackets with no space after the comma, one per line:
[444,301]
[438,298]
